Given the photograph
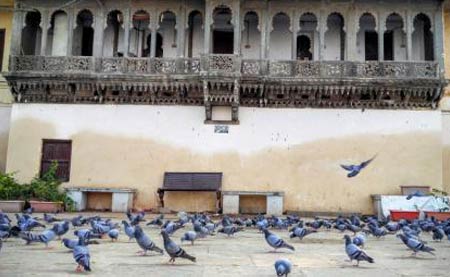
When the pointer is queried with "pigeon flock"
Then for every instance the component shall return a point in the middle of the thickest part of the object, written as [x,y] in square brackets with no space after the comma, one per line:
[90,231]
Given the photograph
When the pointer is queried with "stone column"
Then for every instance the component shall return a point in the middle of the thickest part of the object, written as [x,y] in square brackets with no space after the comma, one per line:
[126,26]
[409,27]
[16,34]
[207,28]
[237,27]
[322,26]
[70,27]
[99,29]
[295,25]
[381,29]
[351,23]
[154,26]
[438,38]
[262,26]
[181,30]
[44,27]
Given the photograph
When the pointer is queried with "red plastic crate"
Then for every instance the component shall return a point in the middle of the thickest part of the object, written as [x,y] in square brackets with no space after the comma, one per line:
[439,215]
[396,215]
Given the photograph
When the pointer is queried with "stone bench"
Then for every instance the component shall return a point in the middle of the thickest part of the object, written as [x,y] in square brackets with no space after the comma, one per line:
[122,199]
[274,200]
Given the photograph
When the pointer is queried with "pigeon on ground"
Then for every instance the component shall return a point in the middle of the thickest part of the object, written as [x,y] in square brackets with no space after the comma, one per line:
[78,221]
[145,242]
[135,218]
[81,255]
[50,218]
[415,245]
[354,252]
[4,235]
[283,267]
[417,193]
[174,250]
[356,169]
[69,243]
[189,236]
[230,230]
[113,234]
[301,232]
[45,237]
[62,228]
[129,230]
[360,240]
[157,221]
[438,233]
[86,234]
[275,241]
[171,228]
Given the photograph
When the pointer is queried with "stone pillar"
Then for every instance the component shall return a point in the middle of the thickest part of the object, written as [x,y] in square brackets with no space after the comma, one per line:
[207,28]
[322,26]
[350,30]
[154,26]
[99,30]
[438,38]
[60,34]
[409,27]
[262,26]
[181,30]
[381,22]
[16,34]
[126,26]
[70,26]
[237,27]
[44,27]
[295,25]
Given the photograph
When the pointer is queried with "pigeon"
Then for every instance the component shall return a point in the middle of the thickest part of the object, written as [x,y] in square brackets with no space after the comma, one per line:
[415,245]
[157,221]
[301,232]
[86,234]
[230,230]
[275,241]
[62,228]
[189,236]
[4,235]
[438,234]
[135,219]
[355,253]
[174,250]
[145,242]
[45,237]
[81,255]
[417,193]
[50,218]
[283,267]
[171,228]
[356,169]
[78,221]
[113,234]
[69,243]
[1,245]
[360,240]
[129,230]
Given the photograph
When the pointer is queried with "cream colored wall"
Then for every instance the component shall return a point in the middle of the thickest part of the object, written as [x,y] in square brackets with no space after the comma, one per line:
[297,151]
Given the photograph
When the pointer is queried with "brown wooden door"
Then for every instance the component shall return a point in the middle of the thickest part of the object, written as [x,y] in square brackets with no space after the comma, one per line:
[2,46]
[59,151]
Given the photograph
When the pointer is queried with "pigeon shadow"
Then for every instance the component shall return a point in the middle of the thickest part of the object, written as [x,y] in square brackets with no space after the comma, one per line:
[411,257]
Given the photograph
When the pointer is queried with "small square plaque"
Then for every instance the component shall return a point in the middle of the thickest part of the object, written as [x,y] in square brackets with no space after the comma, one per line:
[221,129]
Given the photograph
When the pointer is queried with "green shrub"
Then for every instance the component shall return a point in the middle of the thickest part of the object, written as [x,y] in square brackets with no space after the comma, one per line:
[9,188]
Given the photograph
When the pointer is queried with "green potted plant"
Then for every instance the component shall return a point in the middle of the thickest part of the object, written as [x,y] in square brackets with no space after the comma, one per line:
[11,199]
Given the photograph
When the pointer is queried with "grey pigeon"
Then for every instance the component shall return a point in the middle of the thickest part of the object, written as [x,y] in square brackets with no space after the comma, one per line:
[50,218]
[283,267]
[113,234]
[356,169]
[45,237]
[230,230]
[189,236]
[417,193]
[360,240]
[69,243]
[145,242]
[301,232]
[81,255]
[174,250]
[62,228]
[415,245]
[129,230]
[354,252]
[275,241]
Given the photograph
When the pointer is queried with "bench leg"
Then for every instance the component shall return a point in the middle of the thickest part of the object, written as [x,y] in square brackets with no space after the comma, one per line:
[218,202]
[161,197]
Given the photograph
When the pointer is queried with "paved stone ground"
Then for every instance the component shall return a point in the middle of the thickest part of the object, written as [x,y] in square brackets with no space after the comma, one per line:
[246,254]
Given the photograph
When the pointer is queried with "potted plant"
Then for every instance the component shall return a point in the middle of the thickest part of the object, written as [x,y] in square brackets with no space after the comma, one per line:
[444,211]
[11,200]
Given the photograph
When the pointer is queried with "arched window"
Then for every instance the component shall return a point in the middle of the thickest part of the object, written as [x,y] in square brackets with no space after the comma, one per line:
[194,35]
[422,39]
[167,23]
[281,38]
[222,31]
[307,39]
[139,32]
[367,38]
[113,43]
[335,38]
[83,35]
[394,39]
[159,44]
[251,37]
[32,34]
[58,35]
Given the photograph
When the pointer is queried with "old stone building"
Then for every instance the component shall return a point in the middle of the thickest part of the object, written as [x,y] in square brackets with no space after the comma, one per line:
[273,94]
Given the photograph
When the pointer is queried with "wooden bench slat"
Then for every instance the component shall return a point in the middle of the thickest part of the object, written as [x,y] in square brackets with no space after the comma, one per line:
[185,181]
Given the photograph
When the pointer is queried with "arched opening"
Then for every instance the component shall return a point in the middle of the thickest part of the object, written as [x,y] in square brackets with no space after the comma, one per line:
[394,39]
[251,37]
[194,35]
[367,38]
[167,30]
[140,29]
[335,38]
[113,43]
[32,34]
[58,34]
[159,44]
[222,31]
[83,35]
[280,38]
[307,39]
[422,39]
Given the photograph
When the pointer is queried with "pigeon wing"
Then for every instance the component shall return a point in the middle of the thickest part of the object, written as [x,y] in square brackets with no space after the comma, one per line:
[348,167]
[366,163]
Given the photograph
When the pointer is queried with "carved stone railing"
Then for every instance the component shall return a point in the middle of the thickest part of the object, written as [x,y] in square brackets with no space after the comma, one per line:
[216,64]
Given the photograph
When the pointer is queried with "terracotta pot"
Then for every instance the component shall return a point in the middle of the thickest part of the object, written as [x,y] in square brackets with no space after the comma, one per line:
[439,215]
[396,215]
[11,206]
[47,207]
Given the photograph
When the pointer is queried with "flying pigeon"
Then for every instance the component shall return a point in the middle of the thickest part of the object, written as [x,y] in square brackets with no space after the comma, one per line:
[354,252]
[417,193]
[356,169]
[283,267]
[275,241]
[129,230]
[145,242]
[415,245]
[81,255]
[189,236]
[174,250]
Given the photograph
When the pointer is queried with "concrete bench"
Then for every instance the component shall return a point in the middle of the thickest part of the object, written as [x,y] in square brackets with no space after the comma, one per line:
[274,200]
[122,199]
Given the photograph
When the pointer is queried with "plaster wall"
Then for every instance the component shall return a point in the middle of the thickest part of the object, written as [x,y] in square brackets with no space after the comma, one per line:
[297,151]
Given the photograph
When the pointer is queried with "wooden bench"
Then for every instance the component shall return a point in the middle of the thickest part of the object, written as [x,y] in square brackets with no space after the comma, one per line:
[274,201]
[121,198]
[192,181]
